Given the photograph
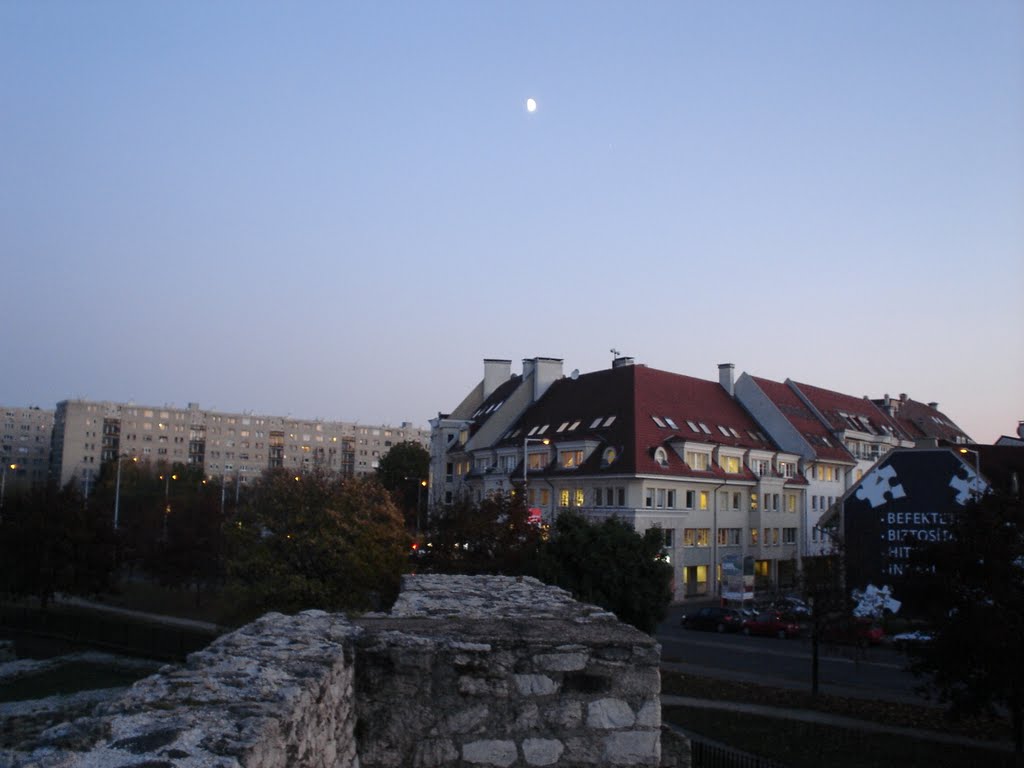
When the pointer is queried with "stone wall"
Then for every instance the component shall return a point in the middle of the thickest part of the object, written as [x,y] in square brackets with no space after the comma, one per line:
[464,671]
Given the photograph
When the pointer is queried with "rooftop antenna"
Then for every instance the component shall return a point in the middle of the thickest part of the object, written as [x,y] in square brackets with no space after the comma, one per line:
[614,351]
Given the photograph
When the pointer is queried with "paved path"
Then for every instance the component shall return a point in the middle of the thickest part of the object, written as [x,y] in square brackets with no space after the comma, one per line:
[838,721]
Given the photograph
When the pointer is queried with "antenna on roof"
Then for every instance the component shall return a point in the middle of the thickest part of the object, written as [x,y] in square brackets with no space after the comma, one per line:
[614,351]
[575,374]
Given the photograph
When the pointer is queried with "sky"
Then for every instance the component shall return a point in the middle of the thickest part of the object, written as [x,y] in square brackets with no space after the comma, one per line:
[338,210]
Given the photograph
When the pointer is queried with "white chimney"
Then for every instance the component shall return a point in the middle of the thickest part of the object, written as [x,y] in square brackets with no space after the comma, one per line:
[725,378]
[547,370]
[621,362]
[496,373]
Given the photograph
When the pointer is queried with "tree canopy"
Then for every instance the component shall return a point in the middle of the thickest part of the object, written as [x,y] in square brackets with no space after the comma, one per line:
[315,541]
[404,470]
[974,585]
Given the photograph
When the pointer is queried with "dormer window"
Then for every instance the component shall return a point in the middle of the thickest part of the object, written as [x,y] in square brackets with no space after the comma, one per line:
[661,456]
[570,459]
[730,464]
[697,460]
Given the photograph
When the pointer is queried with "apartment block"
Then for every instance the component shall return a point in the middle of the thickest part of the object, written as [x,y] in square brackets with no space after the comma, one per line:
[25,444]
[240,446]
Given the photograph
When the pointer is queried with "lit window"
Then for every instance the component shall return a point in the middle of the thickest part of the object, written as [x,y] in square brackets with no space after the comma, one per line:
[730,464]
[704,500]
[563,497]
[697,460]
[703,537]
[578,497]
[689,537]
[570,459]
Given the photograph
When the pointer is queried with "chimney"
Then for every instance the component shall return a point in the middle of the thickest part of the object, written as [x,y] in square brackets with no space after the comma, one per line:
[934,405]
[903,397]
[547,370]
[725,378]
[496,373]
[622,362]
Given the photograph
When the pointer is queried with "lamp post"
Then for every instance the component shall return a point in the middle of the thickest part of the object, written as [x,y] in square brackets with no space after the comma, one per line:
[977,471]
[3,481]
[117,490]
[526,462]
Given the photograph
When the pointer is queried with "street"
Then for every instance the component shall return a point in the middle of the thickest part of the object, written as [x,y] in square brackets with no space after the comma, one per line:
[874,673]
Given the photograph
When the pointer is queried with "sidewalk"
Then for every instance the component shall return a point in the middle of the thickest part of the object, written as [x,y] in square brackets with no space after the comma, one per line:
[837,721]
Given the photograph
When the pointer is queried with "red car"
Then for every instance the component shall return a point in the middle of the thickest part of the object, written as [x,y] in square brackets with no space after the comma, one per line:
[861,632]
[771,624]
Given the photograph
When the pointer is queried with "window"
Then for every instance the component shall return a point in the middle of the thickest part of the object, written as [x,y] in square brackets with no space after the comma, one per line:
[753,502]
[692,426]
[703,537]
[690,499]
[578,497]
[737,498]
[659,497]
[536,461]
[670,499]
[789,535]
[753,537]
[729,537]
[649,497]
[761,467]
[570,459]
[786,468]
[545,497]
[791,502]
[609,421]
[704,500]
[658,421]
[622,497]
[689,537]
[669,535]
[609,498]
[563,497]
[595,423]
[671,423]
[697,460]
[723,430]
[775,537]
[661,456]
[730,464]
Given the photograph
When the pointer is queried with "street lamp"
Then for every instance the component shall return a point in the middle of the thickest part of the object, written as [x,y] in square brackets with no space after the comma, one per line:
[977,471]
[526,462]
[117,489]
[3,481]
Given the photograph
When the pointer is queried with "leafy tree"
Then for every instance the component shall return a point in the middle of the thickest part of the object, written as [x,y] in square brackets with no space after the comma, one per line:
[314,541]
[975,587]
[494,536]
[611,565]
[826,595]
[404,470]
[52,541]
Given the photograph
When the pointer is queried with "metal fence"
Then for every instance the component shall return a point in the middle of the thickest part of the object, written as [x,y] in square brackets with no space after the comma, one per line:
[708,754]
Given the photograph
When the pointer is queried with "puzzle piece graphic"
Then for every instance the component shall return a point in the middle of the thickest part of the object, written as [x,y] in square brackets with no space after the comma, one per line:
[966,487]
[877,484]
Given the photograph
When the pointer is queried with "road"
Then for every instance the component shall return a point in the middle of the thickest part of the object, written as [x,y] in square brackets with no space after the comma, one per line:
[874,673]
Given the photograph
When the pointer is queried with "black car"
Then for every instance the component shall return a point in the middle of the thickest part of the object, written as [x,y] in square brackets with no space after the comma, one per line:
[714,618]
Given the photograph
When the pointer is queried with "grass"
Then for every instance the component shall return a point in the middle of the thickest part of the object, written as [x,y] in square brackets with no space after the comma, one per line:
[800,744]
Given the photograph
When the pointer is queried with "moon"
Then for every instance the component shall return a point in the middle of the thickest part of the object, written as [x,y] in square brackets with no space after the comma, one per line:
[531,105]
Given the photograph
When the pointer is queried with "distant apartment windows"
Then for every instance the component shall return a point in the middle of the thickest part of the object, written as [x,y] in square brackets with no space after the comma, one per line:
[761,467]
[570,459]
[737,499]
[689,499]
[789,535]
[689,537]
[791,502]
[704,500]
[775,537]
[786,468]
[668,537]
[578,498]
[563,497]
[147,426]
[753,537]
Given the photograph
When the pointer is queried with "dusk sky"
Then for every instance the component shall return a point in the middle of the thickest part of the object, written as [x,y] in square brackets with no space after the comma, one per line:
[336,210]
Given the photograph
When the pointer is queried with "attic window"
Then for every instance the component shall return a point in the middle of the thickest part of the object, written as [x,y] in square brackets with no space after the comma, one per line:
[533,431]
[543,429]
[723,430]
[515,432]
[826,442]
[562,428]
[661,456]
[671,423]
[596,422]
[734,433]
[574,425]
[658,421]
[609,421]
[704,428]
[693,427]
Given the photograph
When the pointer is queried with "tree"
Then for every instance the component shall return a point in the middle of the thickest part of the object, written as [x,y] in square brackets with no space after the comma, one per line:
[404,470]
[826,595]
[493,536]
[52,541]
[611,565]
[314,541]
[974,582]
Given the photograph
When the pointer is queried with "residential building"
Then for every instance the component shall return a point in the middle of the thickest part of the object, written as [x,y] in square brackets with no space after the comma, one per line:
[25,444]
[923,423]
[240,446]
[838,438]
[651,447]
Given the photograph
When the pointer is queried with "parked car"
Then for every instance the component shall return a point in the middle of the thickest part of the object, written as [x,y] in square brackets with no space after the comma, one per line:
[862,632]
[793,604]
[906,640]
[713,618]
[771,624]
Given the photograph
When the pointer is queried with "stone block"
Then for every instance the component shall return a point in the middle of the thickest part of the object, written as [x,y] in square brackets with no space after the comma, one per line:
[561,662]
[649,715]
[632,748]
[542,751]
[610,713]
[535,685]
[490,752]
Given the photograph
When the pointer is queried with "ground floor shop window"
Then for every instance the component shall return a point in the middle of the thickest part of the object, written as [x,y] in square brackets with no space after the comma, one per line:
[695,580]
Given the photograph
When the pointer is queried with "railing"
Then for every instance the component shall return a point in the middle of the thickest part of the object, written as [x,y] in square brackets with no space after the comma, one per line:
[711,754]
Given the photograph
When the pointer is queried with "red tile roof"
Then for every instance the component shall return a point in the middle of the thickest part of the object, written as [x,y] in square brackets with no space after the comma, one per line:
[826,446]
[857,410]
[919,420]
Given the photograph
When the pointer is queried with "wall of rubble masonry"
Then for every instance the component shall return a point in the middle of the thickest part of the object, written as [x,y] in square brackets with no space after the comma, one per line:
[464,671]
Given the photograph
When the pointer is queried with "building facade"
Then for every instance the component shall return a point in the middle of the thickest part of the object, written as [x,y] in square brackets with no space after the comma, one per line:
[240,446]
[25,446]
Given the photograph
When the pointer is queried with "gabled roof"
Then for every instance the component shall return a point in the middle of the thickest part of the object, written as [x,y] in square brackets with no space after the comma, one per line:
[617,408]
[921,421]
[491,405]
[825,445]
[845,412]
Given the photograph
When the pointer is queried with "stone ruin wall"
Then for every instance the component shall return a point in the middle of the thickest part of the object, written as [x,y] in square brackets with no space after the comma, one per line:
[464,671]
